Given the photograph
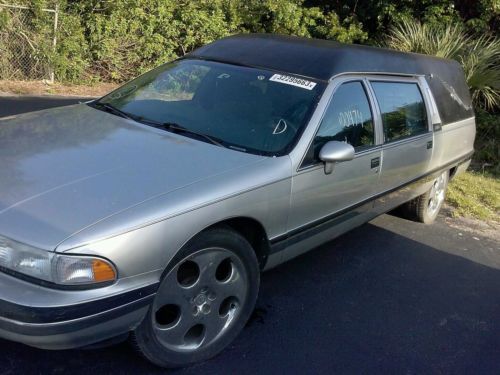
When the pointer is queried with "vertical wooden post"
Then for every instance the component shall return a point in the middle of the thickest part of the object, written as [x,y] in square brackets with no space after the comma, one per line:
[54,40]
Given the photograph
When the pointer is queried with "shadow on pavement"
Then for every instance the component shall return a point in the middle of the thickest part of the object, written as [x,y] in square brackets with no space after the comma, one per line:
[371,301]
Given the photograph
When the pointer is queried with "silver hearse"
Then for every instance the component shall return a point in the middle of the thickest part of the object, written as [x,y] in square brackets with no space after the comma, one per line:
[151,211]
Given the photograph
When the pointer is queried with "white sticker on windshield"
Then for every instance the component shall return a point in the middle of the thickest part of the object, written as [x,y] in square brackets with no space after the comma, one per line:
[289,80]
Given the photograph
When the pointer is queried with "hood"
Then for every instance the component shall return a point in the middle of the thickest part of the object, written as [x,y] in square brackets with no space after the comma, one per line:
[66,168]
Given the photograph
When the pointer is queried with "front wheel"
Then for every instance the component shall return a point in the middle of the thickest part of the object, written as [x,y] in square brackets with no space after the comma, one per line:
[204,300]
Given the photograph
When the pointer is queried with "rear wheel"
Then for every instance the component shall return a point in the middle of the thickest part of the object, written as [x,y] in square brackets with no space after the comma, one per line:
[204,300]
[427,206]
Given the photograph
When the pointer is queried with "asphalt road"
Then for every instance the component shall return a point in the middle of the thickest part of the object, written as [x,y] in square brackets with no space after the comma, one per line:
[20,104]
[391,296]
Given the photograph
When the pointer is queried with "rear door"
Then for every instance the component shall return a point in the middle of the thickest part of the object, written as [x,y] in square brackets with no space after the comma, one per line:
[407,136]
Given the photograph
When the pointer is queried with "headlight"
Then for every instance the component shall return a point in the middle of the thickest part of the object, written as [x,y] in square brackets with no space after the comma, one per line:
[52,267]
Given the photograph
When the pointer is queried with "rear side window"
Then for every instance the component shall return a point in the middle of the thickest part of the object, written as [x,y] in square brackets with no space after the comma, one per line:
[402,108]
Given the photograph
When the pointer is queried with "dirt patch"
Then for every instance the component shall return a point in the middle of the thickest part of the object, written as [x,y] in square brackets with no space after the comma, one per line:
[44,88]
[489,229]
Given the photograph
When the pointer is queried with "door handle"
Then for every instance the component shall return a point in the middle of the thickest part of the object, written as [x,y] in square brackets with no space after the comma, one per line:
[375,162]
[429,145]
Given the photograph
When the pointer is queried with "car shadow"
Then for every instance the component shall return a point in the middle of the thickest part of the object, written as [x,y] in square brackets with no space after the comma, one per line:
[371,301]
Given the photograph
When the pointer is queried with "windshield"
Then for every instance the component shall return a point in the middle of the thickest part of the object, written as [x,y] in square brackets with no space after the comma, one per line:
[243,108]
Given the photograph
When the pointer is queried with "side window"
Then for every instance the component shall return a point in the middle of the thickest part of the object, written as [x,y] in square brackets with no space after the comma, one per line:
[402,108]
[347,119]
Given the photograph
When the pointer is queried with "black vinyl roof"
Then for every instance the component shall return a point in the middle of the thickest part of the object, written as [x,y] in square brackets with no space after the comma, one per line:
[323,59]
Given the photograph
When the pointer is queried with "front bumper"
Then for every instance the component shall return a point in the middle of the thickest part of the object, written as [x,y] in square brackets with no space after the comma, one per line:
[64,319]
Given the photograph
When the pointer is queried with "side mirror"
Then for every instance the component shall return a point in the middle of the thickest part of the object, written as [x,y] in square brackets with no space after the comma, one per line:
[333,152]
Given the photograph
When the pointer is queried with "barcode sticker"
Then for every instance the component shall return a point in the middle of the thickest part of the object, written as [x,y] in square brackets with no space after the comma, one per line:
[294,81]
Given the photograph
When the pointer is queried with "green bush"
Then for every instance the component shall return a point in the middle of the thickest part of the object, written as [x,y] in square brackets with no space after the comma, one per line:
[70,60]
[115,41]
[133,36]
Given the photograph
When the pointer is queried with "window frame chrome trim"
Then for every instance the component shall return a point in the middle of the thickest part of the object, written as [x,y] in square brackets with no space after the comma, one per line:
[299,152]
[417,80]
[432,109]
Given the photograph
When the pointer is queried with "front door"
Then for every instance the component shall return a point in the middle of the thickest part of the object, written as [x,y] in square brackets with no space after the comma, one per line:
[323,204]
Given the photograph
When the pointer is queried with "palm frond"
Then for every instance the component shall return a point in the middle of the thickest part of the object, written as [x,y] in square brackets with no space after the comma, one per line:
[443,41]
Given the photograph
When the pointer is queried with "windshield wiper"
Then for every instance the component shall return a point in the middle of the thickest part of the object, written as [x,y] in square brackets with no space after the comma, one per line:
[181,129]
[176,128]
[109,108]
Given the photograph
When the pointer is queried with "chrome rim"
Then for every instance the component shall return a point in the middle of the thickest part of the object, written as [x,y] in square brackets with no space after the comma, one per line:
[199,299]
[436,196]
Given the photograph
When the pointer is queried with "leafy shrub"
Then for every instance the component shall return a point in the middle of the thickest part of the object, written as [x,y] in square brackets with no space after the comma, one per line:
[115,40]
[129,37]
[294,18]
[70,59]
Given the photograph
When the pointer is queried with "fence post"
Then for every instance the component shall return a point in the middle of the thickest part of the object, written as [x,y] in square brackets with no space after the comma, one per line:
[54,41]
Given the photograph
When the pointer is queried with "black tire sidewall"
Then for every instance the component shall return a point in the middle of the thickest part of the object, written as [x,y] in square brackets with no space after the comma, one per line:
[144,336]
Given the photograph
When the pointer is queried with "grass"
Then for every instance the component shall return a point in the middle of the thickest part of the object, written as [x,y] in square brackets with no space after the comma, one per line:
[475,195]
[42,88]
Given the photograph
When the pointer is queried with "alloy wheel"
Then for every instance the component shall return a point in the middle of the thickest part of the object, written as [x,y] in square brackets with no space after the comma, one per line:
[437,194]
[199,299]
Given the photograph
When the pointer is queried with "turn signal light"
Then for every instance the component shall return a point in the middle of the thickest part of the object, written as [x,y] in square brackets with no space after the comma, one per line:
[103,271]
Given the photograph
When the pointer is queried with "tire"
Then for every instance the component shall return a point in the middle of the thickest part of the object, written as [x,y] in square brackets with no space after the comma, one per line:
[204,300]
[426,207]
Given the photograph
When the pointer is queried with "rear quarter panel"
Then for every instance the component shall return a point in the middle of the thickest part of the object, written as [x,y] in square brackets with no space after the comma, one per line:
[453,141]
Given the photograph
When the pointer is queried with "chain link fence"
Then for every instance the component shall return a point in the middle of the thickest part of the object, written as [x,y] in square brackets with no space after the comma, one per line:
[26,40]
